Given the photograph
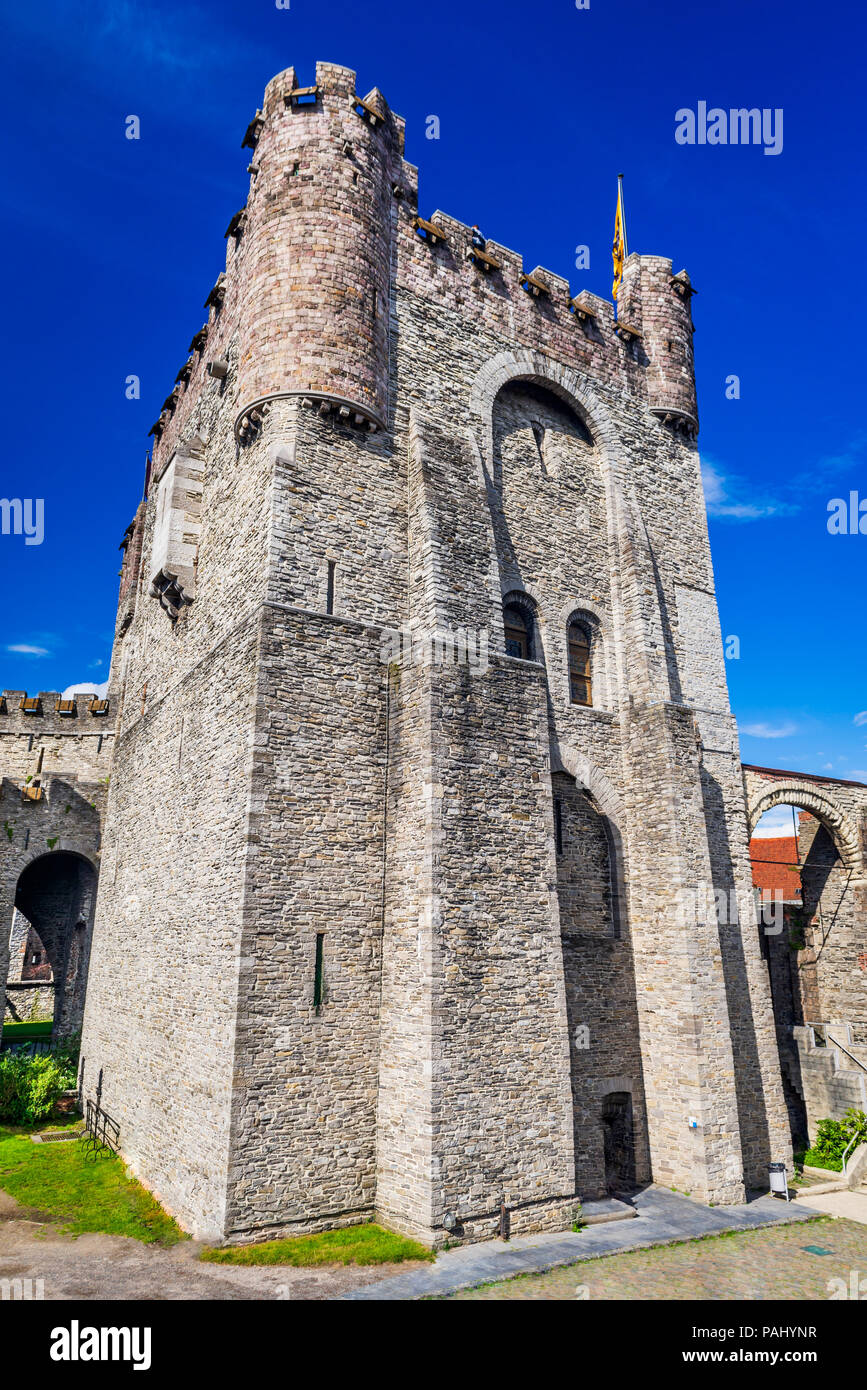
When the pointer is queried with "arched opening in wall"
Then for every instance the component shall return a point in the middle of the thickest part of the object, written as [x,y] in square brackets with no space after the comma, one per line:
[579,648]
[519,628]
[546,492]
[806,912]
[30,979]
[601,1006]
[56,896]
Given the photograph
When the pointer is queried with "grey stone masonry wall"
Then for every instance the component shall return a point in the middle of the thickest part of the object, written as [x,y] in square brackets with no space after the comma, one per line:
[77,744]
[55,764]
[340,962]
[162,997]
[828,1080]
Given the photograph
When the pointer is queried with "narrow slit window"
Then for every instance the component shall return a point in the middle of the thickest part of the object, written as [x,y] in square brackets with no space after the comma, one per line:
[558,824]
[539,436]
[317,971]
[580,686]
[329,593]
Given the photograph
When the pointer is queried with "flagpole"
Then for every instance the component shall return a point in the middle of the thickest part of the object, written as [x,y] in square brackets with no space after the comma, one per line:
[622,215]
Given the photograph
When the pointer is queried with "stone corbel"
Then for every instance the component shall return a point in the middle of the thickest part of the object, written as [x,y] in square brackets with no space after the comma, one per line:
[171,592]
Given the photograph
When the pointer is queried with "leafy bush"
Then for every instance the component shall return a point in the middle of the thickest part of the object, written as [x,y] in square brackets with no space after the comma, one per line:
[833,1137]
[31,1086]
[67,1050]
[816,1160]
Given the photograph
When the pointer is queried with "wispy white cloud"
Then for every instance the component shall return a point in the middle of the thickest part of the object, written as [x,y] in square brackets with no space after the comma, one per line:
[838,469]
[85,688]
[731,497]
[114,42]
[775,823]
[25,649]
[761,730]
[860,718]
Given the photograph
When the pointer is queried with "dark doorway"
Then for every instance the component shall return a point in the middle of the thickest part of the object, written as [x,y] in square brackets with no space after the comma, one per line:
[56,893]
[619,1141]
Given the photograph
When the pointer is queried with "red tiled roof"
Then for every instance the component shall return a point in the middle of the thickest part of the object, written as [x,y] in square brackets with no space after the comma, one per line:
[775,866]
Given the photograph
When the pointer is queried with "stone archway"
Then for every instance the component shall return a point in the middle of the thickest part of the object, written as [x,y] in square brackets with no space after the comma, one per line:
[819,803]
[815,961]
[56,893]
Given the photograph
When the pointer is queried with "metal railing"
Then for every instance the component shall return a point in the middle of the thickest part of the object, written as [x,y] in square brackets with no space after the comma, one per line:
[101,1132]
[853,1140]
[823,1038]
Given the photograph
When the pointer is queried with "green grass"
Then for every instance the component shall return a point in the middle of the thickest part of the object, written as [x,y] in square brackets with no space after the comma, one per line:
[353,1245]
[80,1195]
[21,1031]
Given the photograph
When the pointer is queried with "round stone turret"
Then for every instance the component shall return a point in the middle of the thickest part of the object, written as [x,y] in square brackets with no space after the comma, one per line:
[657,303]
[318,231]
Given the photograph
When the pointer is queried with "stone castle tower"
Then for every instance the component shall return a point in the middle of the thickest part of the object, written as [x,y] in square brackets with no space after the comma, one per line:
[423,741]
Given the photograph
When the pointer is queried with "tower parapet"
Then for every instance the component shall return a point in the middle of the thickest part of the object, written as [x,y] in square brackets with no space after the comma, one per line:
[48,713]
[657,303]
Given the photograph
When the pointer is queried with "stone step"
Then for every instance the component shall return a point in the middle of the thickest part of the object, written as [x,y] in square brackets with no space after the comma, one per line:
[607,1209]
[813,1189]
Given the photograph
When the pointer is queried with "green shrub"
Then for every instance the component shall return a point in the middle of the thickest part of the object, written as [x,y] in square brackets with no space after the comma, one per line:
[31,1086]
[813,1159]
[833,1137]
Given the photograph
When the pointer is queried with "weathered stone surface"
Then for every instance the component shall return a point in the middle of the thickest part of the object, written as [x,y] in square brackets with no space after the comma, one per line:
[387,923]
[55,771]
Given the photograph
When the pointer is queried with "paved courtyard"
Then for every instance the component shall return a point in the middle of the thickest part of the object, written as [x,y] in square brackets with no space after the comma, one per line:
[661,1218]
[764,1264]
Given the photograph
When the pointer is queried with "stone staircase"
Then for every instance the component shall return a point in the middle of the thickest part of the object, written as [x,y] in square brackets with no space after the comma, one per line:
[826,1070]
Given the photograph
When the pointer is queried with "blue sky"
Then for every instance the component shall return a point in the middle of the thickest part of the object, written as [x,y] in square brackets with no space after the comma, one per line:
[113,245]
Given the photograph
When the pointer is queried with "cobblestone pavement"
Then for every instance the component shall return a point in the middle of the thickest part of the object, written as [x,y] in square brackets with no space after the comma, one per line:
[661,1217]
[764,1264]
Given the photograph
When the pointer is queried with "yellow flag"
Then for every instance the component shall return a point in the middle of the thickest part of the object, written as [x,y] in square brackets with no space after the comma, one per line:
[618,250]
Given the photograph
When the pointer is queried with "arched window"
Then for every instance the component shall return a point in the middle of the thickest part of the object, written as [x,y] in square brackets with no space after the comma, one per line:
[518,626]
[580,682]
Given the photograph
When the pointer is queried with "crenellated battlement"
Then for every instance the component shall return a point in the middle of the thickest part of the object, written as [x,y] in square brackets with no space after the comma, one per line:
[330,233]
[49,715]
